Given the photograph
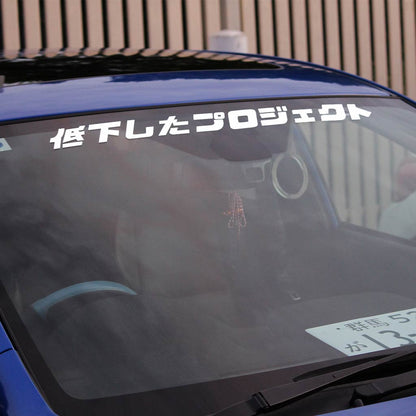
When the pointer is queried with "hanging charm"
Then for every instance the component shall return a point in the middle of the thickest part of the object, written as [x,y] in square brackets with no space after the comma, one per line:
[236,212]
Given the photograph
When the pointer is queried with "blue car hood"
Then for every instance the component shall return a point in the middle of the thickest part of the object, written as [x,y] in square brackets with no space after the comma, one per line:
[400,407]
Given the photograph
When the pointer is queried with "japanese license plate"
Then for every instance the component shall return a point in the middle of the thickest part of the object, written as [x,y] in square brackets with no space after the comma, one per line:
[371,333]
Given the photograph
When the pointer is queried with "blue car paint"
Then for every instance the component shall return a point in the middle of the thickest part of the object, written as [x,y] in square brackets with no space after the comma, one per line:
[399,407]
[19,395]
[170,88]
[5,343]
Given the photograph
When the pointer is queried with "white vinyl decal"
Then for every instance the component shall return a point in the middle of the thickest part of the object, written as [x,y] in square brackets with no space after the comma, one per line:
[247,118]
[371,333]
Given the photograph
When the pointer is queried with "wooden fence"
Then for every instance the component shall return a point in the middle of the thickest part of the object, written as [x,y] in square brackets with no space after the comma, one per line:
[373,38]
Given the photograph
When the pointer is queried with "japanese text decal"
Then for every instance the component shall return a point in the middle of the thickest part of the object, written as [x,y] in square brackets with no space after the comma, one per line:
[207,122]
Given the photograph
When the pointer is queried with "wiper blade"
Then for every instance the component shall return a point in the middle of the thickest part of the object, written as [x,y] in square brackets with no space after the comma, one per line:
[268,399]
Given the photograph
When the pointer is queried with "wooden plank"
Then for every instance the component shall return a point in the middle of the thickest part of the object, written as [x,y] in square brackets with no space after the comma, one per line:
[115,25]
[222,57]
[149,52]
[74,29]
[265,27]
[248,17]
[365,65]
[212,16]
[194,24]
[316,32]
[168,52]
[32,30]
[409,37]
[155,24]
[231,18]
[353,176]
[308,133]
[95,27]
[188,53]
[53,26]
[300,33]
[370,178]
[283,29]
[348,35]
[199,55]
[384,155]
[174,24]
[332,41]
[321,148]
[337,162]
[395,45]
[10,28]
[135,22]
[380,42]
[397,155]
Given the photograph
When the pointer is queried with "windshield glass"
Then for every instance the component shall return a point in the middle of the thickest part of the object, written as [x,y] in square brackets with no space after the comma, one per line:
[162,252]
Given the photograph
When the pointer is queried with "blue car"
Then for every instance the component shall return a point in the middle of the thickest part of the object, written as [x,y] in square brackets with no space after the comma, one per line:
[201,233]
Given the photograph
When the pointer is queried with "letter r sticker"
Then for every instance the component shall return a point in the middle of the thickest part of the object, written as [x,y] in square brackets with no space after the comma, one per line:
[4,146]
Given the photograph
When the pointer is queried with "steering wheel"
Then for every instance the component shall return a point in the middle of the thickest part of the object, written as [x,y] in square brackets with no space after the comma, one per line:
[43,305]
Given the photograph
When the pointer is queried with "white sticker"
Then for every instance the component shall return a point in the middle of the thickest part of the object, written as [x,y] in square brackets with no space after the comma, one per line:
[369,334]
[4,146]
[207,122]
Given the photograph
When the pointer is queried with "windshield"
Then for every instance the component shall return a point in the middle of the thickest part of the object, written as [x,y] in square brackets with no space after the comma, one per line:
[194,251]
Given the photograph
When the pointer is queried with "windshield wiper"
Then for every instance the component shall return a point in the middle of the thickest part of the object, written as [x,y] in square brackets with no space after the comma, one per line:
[267,400]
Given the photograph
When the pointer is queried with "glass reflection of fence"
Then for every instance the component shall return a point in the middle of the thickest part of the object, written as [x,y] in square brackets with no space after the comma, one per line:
[359,168]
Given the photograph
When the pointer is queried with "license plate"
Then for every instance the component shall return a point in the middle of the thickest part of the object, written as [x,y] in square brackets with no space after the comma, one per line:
[370,333]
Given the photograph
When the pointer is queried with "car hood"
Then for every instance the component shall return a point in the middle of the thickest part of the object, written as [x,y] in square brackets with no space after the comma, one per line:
[399,407]
[117,92]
